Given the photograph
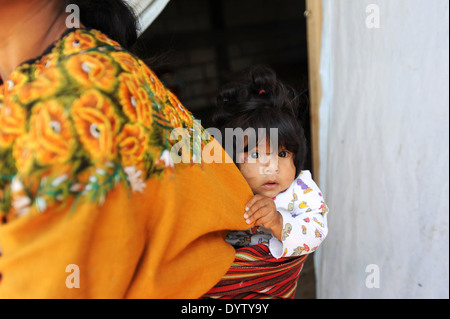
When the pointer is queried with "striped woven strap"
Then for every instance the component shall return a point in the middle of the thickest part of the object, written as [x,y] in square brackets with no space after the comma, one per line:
[256,274]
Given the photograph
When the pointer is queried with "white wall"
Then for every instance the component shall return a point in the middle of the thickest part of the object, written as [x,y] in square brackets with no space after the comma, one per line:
[147,11]
[385,149]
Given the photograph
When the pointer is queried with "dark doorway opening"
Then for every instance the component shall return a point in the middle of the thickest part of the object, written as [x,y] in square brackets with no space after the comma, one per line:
[201,44]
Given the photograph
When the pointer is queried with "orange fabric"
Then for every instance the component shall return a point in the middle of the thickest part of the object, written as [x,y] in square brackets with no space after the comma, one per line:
[86,179]
[167,243]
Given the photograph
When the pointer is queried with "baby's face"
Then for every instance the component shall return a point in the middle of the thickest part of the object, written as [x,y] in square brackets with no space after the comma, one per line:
[267,172]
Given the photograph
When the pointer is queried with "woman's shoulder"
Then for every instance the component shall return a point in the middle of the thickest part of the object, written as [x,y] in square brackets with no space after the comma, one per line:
[100,116]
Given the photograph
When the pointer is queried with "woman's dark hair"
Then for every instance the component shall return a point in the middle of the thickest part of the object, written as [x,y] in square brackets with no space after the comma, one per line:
[260,100]
[115,18]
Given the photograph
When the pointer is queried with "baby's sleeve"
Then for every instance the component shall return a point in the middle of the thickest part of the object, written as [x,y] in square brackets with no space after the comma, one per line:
[304,214]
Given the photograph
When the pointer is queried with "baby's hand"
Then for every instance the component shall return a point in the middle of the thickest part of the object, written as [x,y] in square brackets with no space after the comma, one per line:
[262,211]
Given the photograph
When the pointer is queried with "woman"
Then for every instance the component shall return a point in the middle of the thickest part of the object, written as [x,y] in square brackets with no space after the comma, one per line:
[91,203]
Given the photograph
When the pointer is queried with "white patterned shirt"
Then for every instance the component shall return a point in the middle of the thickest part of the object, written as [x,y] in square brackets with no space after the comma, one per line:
[304,213]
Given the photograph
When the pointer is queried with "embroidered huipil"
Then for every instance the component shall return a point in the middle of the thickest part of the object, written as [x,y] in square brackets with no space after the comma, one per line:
[304,221]
[87,181]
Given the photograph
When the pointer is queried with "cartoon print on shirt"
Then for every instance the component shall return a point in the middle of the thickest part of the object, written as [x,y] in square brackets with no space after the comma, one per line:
[291,204]
[304,187]
[256,230]
[303,205]
[304,230]
[286,231]
[324,208]
[321,224]
[318,233]
[243,241]
[300,249]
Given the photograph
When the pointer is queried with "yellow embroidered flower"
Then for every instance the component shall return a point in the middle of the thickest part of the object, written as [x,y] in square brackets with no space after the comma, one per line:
[93,69]
[46,62]
[23,154]
[171,116]
[12,122]
[15,81]
[97,124]
[77,41]
[135,100]
[52,132]
[157,88]
[44,86]
[184,114]
[126,61]
[132,142]
[104,38]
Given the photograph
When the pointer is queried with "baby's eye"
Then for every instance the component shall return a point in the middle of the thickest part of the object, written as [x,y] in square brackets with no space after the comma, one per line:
[254,155]
[283,154]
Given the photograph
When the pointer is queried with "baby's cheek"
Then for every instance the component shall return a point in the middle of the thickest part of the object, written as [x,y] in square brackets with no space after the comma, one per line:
[252,181]
[242,158]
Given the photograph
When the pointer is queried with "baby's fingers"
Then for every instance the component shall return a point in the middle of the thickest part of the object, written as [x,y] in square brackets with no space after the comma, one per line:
[256,213]
[263,220]
[255,207]
[252,202]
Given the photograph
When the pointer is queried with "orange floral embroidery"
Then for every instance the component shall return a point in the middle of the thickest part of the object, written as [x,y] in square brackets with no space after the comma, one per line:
[18,78]
[117,126]
[97,124]
[78,41]
[23,152]
[132,142]
[52,131]
[126,61]
[135,100]
[12,122]
[46,62]
[103,38]
[158,89]
[45,85]
[185,116]
[93,69]
[172,117]
[15,81]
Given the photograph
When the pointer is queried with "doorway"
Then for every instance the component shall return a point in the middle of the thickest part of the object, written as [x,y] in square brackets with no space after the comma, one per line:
[199,45]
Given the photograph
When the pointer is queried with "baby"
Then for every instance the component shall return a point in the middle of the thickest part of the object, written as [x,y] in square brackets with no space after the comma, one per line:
[287,209]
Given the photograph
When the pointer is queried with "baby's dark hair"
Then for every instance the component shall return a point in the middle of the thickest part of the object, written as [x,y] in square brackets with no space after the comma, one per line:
[260,100]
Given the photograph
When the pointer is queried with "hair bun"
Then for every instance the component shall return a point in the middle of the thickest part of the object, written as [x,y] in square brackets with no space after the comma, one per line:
[258,87]
[262,80]
[265,84]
